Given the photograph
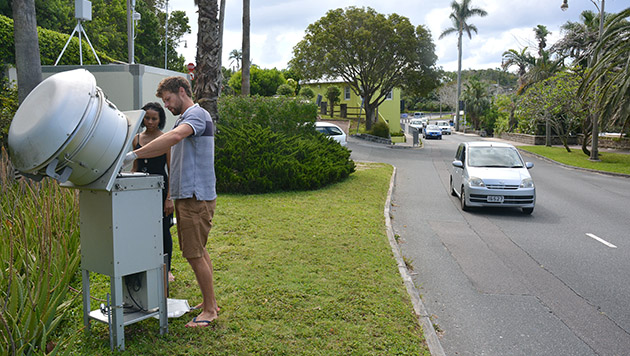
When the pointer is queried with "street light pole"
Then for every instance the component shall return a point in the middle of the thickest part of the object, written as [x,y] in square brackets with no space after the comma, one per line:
[595,131]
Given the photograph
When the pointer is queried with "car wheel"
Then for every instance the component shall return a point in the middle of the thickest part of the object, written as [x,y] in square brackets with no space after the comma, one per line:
[528,211]
[453,193]
[462,199]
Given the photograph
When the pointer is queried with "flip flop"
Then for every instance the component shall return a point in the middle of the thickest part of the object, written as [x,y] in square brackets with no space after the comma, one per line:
[207,322]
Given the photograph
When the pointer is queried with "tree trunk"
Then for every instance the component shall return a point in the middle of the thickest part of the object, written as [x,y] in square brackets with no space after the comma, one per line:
[208,85]
[27,59]
[459,78]
[245,84]
[370,114]
[586,129]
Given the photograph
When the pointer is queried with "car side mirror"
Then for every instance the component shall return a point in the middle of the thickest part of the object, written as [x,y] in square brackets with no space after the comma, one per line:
[529,165]
[457,163]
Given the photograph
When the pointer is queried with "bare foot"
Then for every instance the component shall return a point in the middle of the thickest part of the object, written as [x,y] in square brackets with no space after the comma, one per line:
[200,306]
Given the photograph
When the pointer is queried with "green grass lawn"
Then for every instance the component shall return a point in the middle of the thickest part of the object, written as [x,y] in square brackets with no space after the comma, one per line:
[298,273]
[610,161]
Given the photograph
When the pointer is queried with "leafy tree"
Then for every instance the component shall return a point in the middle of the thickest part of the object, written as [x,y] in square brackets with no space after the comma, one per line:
[264,82]
[555,102]
[285,90]
[371,52]
[462,12]
[332,94]
[307,92]
[107,30]
[208,80]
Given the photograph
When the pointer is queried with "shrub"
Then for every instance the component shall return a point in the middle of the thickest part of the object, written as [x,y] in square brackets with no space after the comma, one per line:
[286,90]
[50,45]
[286,115]
[307,92]
[380,129]
[255,159]
[8,107]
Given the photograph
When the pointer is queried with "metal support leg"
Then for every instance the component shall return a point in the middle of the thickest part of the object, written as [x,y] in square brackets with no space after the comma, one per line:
[162,286]
[116,311]
[86,299]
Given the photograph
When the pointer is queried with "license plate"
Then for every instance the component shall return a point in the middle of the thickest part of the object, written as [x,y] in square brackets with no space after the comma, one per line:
[495,198]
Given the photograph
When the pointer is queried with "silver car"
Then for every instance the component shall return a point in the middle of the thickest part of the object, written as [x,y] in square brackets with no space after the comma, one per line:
[492,174]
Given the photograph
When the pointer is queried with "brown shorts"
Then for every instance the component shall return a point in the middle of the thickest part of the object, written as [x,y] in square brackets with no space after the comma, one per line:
[194,221]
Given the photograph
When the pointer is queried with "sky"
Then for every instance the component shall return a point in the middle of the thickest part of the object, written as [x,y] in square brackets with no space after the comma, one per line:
[278,25]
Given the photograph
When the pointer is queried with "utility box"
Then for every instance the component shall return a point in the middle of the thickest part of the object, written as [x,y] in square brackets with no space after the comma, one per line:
[121,229]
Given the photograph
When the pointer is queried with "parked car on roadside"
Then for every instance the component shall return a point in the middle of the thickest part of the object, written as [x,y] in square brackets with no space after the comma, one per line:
[445,127]
[333,131]
[416,124]
[432,131]
[491,174]
[417,115]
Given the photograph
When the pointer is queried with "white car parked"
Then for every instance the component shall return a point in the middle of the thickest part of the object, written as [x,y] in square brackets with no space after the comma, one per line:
[333,131]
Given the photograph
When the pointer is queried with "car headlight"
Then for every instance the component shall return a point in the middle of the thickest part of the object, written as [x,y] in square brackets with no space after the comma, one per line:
[475,182]
[527,183]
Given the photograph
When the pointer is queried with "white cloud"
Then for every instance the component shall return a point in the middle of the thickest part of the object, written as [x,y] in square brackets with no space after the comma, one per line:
[278,25]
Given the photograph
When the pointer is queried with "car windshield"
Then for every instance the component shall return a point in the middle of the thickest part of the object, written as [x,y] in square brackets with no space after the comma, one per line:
[503,157]
[329,130]
[432,127]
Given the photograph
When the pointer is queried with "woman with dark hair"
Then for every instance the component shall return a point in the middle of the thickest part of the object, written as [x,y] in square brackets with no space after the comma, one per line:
[153,122]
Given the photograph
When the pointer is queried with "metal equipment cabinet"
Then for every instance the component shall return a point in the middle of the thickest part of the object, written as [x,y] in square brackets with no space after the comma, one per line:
[121,235]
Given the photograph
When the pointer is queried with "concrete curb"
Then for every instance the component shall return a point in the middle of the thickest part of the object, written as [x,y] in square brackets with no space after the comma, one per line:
[430,336]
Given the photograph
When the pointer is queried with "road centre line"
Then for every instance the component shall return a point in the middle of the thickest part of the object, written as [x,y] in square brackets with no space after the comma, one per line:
[601,240]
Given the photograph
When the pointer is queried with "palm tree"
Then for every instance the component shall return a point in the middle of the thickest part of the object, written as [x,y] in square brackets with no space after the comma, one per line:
[610,71]
[522,60]
[541,36]
[208,58]
[477,100]
[27,59]
[245,75]
[459,17]
[236,56]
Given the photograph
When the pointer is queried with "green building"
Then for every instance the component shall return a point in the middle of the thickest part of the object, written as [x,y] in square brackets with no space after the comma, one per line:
[388,111]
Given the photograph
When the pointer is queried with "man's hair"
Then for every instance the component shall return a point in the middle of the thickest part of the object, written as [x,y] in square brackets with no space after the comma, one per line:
[172,84]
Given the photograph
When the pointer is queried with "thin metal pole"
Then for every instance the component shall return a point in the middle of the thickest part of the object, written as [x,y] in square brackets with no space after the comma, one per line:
[166,37]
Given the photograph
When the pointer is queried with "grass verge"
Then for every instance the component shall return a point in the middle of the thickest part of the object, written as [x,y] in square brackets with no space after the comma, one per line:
[610,161]
[296,273]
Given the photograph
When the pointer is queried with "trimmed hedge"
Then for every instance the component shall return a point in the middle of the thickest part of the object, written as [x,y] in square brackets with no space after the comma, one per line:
[50,45]
[255,159]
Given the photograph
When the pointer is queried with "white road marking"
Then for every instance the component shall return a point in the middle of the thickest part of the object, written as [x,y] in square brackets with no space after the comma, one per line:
[601,240]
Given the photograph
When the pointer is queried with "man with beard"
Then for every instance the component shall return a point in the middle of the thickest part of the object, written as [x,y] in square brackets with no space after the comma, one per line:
[192,183]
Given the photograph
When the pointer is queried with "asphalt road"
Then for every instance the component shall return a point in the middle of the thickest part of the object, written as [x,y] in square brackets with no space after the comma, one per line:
[498,282]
